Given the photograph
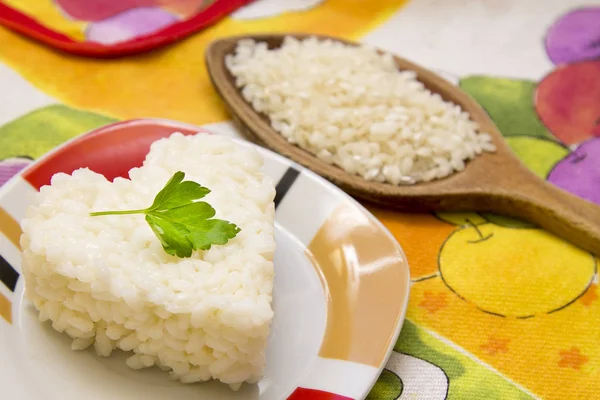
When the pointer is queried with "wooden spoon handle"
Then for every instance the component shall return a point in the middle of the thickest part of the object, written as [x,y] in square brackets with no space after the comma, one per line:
[555,210]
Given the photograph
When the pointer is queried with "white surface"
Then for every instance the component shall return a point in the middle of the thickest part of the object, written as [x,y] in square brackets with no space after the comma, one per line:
[14,197]
[467,37]
[332,376]
[270,8]
[299,323]
[18,97]
[420,379]
[301,202]
[226,128]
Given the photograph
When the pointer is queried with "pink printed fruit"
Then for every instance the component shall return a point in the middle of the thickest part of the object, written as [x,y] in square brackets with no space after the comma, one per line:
[97,10]
[129,25]
[568,101]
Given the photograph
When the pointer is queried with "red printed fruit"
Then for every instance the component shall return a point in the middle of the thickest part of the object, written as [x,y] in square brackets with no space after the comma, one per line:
[568,101]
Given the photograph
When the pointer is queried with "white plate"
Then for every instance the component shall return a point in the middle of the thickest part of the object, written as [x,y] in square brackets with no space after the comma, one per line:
[340,293]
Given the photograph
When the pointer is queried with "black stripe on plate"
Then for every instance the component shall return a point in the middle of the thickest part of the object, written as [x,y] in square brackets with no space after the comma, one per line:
[8,275]
[284,185]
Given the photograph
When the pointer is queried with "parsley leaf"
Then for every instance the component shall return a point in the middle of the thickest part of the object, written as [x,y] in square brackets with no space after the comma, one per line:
[181,223]
[177,193]
[173,236]
[213,231]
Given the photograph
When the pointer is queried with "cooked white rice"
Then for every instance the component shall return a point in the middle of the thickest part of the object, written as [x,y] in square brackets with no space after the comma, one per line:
[352,107]
[106,281]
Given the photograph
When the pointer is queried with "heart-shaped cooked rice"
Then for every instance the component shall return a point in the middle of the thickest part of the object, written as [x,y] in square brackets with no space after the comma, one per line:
[107,282]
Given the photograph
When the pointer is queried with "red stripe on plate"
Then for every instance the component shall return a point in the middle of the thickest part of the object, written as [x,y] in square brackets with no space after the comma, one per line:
[312,394]
[111,150]
[26,25]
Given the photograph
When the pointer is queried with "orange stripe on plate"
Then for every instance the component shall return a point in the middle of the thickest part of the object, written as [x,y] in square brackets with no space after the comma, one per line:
[366,280]
[5,309]
[10,227]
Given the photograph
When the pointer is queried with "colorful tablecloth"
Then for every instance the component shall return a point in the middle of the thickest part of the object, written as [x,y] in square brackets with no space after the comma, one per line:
[498,308]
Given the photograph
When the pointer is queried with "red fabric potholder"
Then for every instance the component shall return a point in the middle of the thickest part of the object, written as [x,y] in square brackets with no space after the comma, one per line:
[109,28]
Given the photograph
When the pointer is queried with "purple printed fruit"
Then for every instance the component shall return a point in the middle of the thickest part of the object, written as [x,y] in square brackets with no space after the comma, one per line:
[579,172]
[575,37]
[11,167]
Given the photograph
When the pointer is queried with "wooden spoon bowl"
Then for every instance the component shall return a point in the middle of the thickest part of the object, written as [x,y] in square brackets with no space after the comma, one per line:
[492,182]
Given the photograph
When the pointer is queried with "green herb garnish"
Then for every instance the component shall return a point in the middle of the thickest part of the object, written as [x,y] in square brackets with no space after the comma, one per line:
[181,223]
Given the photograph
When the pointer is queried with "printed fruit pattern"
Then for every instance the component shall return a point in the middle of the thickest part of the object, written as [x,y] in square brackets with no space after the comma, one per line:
[554,128]
[575,37]
[98,10]
[480,280]
[563,109]
[488,273]
[579,172]
[129,24]
[568,100]
[11,167]
[469,265]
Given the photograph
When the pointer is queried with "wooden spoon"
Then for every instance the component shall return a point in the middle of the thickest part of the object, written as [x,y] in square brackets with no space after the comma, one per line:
[492,182]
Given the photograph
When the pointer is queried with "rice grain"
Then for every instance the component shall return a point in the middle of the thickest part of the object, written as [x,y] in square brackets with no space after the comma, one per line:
[351,106]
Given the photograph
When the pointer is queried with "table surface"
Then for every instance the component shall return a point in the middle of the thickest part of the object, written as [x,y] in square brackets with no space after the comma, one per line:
[498,308]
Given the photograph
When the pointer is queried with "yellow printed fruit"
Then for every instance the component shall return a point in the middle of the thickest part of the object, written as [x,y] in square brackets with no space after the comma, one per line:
[421,236]
[514,272]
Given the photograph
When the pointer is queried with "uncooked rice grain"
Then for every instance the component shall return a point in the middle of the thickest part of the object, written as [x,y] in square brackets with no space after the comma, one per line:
[351,106]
